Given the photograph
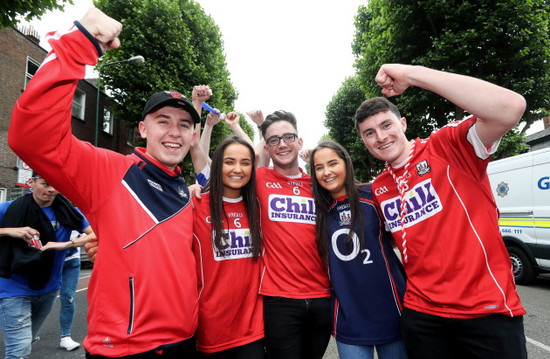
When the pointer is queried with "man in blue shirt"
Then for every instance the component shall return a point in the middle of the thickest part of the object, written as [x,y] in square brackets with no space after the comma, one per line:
[29,276]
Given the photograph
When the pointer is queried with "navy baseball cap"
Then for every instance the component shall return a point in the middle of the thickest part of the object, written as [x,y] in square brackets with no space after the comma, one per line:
[170,98]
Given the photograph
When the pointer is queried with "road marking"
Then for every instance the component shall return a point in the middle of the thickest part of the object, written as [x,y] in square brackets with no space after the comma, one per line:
[538,344]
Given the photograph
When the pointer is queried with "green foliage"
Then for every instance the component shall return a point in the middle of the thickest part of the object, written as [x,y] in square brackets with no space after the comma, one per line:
[504,42]
[182,47]
[341,124]
[27,9]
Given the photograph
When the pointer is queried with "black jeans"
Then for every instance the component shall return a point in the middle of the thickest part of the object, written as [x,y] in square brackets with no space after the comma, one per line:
[184,350]
[296,328]
[254,350]
[495,336]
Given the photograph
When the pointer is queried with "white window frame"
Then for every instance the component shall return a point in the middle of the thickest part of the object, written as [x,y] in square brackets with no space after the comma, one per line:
[130,136]
[79,104]
[30,69]
[108,121]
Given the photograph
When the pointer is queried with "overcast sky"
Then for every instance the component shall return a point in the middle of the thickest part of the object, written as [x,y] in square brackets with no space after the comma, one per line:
[288,55]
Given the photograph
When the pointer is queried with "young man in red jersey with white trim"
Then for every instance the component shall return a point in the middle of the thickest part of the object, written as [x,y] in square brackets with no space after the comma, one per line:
[294,283]
[435,197]
[143,291]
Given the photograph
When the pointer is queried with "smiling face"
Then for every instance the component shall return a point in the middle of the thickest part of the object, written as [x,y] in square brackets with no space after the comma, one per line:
[384,136]
[330,171]
[169,132]
[285,154]
[42,192]
[237,168]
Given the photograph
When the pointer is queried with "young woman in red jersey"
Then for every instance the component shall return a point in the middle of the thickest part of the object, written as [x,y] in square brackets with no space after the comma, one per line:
[227,247]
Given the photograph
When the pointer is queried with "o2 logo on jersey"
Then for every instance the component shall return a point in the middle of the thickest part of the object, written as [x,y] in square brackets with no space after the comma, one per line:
[236,245]
[291,209]
[354,250]
[422,202]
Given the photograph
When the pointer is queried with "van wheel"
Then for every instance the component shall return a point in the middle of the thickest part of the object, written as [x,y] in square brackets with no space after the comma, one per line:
[524,272]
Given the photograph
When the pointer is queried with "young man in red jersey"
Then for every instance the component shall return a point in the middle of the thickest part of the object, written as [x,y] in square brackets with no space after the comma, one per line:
[435,197]
[143,292]
[294,283]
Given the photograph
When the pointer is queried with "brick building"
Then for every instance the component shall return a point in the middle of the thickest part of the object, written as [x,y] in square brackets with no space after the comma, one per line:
[20,57]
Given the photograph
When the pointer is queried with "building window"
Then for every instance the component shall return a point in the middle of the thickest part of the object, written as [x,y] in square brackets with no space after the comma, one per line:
[79,104]
[130,133]
[32,67]
[107,121]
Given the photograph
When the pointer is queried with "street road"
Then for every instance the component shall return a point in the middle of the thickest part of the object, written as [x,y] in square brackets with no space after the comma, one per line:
[535,298]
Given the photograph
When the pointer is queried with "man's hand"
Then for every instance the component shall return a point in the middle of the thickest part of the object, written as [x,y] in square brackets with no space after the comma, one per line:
[393,79]
[232,119]
[91,249]
[256,116]
[211,119]
[25,233]
[305,154]
[201,93]
[103,28]
[195,190]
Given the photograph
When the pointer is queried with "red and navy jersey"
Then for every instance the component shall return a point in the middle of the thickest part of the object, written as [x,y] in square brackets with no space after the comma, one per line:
[367,278]
[457,265]
[143,290]
[292,266]
[230,308]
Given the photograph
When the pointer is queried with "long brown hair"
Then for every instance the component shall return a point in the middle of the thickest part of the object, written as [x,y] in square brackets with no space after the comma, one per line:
[217,209]
[323,200]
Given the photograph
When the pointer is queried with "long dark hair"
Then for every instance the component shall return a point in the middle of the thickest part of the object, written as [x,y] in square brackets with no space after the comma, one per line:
[217,209]
[323,200]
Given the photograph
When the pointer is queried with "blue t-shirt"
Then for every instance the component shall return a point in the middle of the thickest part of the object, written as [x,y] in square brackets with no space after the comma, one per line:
[17,285]
[367,280]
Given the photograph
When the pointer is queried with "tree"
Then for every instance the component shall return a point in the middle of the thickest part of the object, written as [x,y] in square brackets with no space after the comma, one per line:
[27,9]
[182,47]
[340,121]
[504,42]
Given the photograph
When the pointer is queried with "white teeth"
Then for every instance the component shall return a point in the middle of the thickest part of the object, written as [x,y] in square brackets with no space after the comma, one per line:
[235,178]
[173,145]
[283,153]
[330,180]
[385,146]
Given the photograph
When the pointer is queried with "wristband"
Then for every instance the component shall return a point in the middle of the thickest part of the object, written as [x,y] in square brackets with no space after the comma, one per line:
[72,241]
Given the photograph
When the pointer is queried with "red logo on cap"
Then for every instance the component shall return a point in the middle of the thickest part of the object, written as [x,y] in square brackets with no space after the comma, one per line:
[175,94]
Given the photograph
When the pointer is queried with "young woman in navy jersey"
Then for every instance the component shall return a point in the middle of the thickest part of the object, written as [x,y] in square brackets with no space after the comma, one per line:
[227,248]
[366,275]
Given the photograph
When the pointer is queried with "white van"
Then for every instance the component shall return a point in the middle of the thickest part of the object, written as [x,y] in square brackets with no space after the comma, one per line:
[521,188]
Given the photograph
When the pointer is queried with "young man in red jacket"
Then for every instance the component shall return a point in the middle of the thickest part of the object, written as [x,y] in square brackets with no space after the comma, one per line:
[143,293]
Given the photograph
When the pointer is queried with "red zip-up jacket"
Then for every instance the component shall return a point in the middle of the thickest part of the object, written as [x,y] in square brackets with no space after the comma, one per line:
[143,291]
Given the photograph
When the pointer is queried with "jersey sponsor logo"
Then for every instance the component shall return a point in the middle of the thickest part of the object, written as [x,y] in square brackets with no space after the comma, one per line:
[236,244]
[345,217]
[380,190]
[273,185]
[422,168]
[291,209]
[345,252]
[422,202]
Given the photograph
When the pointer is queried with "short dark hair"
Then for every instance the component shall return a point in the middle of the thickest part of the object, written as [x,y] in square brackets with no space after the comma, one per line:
[372,107]
[278,116]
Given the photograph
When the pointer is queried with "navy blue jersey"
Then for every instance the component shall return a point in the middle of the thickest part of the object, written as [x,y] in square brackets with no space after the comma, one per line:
[367,278]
